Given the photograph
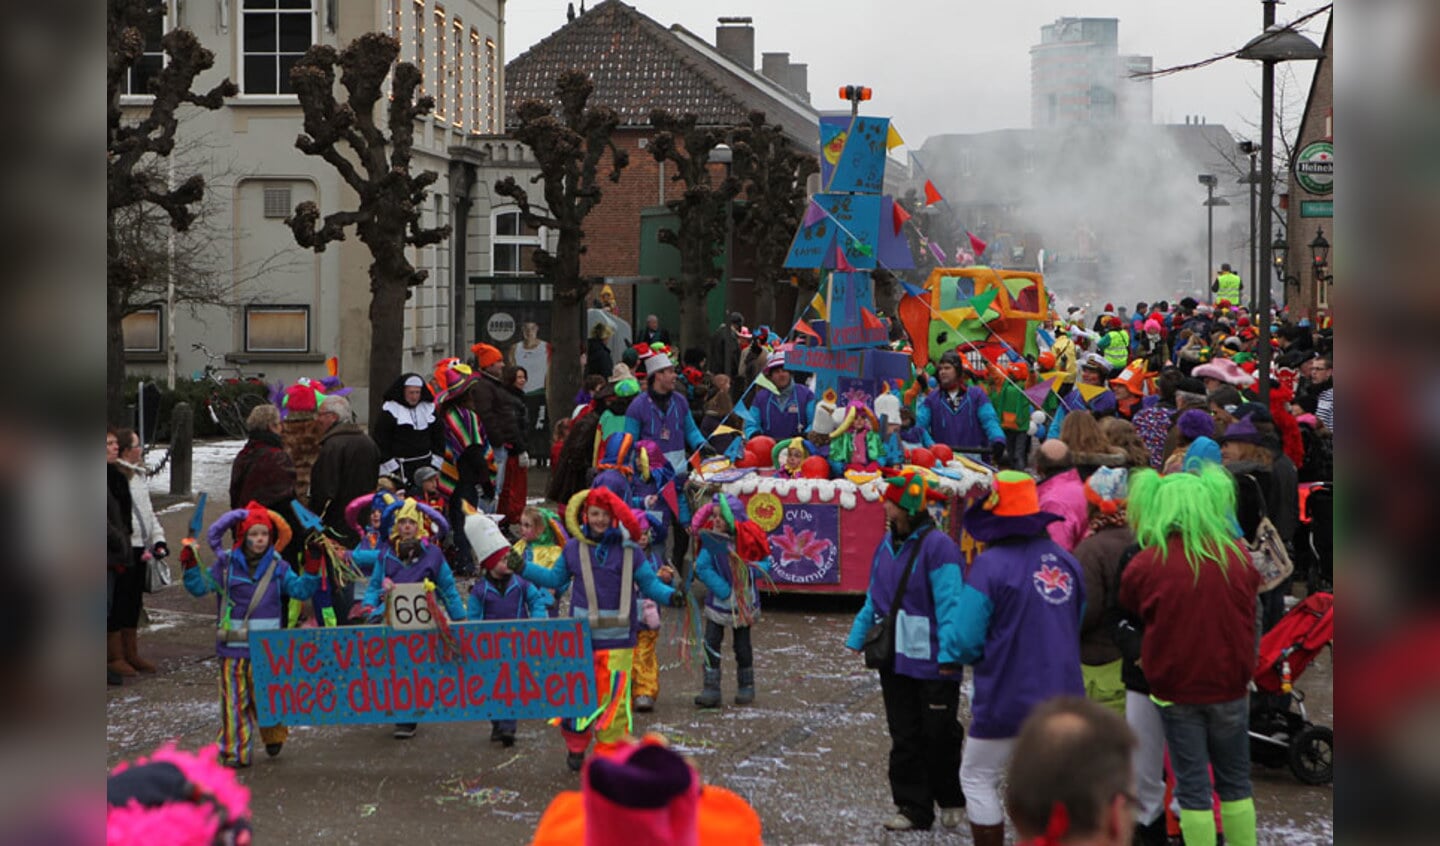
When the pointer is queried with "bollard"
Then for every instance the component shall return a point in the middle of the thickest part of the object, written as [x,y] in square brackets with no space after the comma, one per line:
[182,428]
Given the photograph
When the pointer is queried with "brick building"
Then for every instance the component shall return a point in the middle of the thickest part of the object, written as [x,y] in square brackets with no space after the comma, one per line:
[1311,204]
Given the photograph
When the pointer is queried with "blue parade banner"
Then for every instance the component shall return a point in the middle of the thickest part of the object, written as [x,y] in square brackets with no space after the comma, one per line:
[804,548]
[505,669]
[851,294]
[852,153]
[851,223]
[893,249]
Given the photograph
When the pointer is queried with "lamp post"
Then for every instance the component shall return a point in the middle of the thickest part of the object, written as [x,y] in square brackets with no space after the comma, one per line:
[1320,259]
[1211,201]
[1275,44]
[1252,179]
[1279,249]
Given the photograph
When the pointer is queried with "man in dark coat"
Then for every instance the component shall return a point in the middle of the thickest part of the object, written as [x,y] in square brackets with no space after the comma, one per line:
[725,347]
[501,412]
[348,466]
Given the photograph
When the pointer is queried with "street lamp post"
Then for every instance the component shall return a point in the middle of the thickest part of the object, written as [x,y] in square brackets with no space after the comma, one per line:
[1252,179]
[1320,259]
[1279,250]
[1275,44]
[1211,201]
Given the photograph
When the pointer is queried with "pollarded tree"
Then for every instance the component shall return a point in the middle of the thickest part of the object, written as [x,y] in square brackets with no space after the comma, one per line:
[132,148]
[702,211]
[569,147]
[391,197]
[773,172]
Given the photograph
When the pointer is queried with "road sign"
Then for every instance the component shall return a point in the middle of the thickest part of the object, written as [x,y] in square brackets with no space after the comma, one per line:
[1317,208]
[1315,167]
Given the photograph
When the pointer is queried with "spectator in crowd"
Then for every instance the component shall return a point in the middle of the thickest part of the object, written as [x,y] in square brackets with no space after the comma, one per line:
[1099,556]
[725,347]
[1072,756]
[407,432]
[654,333]
[348,465]
[263,471]
[598,361]
[147,539]
[118,508]
[501,413]
[1062,494]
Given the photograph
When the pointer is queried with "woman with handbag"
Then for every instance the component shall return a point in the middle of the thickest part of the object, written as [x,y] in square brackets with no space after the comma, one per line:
[1262,508]
[908,629]
[147,543]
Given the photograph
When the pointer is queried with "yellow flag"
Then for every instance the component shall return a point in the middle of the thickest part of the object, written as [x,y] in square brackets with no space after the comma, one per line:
[893,139]
[1090,392]
[818,304]
[722,429]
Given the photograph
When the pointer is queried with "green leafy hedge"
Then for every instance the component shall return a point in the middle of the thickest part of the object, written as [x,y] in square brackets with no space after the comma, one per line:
[197,394]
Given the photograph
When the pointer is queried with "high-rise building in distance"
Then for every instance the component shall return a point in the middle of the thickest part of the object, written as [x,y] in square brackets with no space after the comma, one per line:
[1077,76]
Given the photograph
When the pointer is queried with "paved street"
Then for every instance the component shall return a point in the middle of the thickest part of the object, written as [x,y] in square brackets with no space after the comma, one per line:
[809,754]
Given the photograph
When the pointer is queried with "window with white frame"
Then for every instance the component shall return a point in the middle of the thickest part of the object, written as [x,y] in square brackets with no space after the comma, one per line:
[457,65]
[512,253]
[277,328]
[137,79]
[274,34]
[490,72]
[417,33]
[441,86]
[476,117]
[143,331]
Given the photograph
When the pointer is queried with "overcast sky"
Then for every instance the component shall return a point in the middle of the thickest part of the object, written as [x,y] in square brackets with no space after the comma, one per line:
[942,66]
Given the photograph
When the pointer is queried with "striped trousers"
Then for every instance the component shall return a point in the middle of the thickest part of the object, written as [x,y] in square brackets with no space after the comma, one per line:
[237,714]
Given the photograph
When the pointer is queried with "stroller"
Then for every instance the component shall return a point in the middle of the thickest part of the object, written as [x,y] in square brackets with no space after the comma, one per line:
[1280,732]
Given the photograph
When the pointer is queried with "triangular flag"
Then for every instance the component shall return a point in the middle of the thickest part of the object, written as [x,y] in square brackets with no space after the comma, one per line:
[695,462]
[976,245]
[899,214]
[914,290]
[869,320]
[1054,380]
[932,194]
[1090,392]
[842,264]
[893,139]
[818,304]
[805,329]
[671,498]
[763,382]
[982,302]
[722,429]
[1038,393]
[938,253]
[813,215]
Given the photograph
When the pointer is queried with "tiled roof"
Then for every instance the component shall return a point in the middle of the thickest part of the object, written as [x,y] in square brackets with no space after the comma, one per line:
[639,65]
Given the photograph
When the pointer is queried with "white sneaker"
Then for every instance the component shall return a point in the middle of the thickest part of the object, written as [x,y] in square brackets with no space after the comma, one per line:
[899,822]
[952,817]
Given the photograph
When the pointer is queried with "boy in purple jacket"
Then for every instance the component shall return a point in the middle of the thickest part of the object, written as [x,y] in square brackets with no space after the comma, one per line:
[502,595]
[248,580]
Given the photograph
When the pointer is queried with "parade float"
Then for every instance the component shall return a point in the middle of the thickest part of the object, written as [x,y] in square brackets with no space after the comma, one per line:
[825,514]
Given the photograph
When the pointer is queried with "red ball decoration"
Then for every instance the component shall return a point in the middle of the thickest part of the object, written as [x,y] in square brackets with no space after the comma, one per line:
[761,445]
[943,453]
[815,467]
[922,457]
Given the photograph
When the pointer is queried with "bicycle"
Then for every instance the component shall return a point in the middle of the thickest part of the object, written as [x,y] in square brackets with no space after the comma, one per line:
[228,414]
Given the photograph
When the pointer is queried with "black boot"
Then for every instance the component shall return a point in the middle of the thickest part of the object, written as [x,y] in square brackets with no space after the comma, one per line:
[710,696]
[746,692]
[1153,834]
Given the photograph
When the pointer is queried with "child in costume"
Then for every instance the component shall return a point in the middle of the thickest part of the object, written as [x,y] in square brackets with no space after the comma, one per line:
[502,595]
[602,554]
[652,474]
[540,544]
[730,545]
[249,581]
[407,555]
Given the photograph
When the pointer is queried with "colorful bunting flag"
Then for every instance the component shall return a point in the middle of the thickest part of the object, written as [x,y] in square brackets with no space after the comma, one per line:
[722,429]
[671,498]
[762,382]
[818,305]
[1038,393]
[893,139]
[913,290]
[932,194]
[976,245]
[814,213]
[805,329]
[842,264]
[982,302]
[938,253]
[869,320]
[1090,392]
[899,215]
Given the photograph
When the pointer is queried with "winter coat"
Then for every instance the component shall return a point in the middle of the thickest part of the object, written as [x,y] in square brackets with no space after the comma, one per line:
[118,519]
[263,472]
[657,335]
[429,564]
[969,424]
[145,529]
[1200,633]
[234,581]
[598,361]
[725,351]
[301,439]
[348,466]
[1099,557]
[501,413]
[930,626]
[718,577]
[1022,605]
[606,562]
[667,422]
[1153,426]
[780,416]
[404,432]
[512,598]
[1064,496]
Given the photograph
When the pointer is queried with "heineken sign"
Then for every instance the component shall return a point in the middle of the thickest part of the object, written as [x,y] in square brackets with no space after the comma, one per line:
[1315,167]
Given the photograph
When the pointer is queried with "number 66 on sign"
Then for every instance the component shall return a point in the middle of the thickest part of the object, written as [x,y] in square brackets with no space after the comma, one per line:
[408,609]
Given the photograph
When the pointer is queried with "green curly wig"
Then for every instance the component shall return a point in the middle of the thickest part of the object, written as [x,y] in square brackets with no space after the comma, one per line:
[1199,507]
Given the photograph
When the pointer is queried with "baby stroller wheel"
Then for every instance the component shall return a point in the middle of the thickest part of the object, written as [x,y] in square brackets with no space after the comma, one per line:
[1312,755]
